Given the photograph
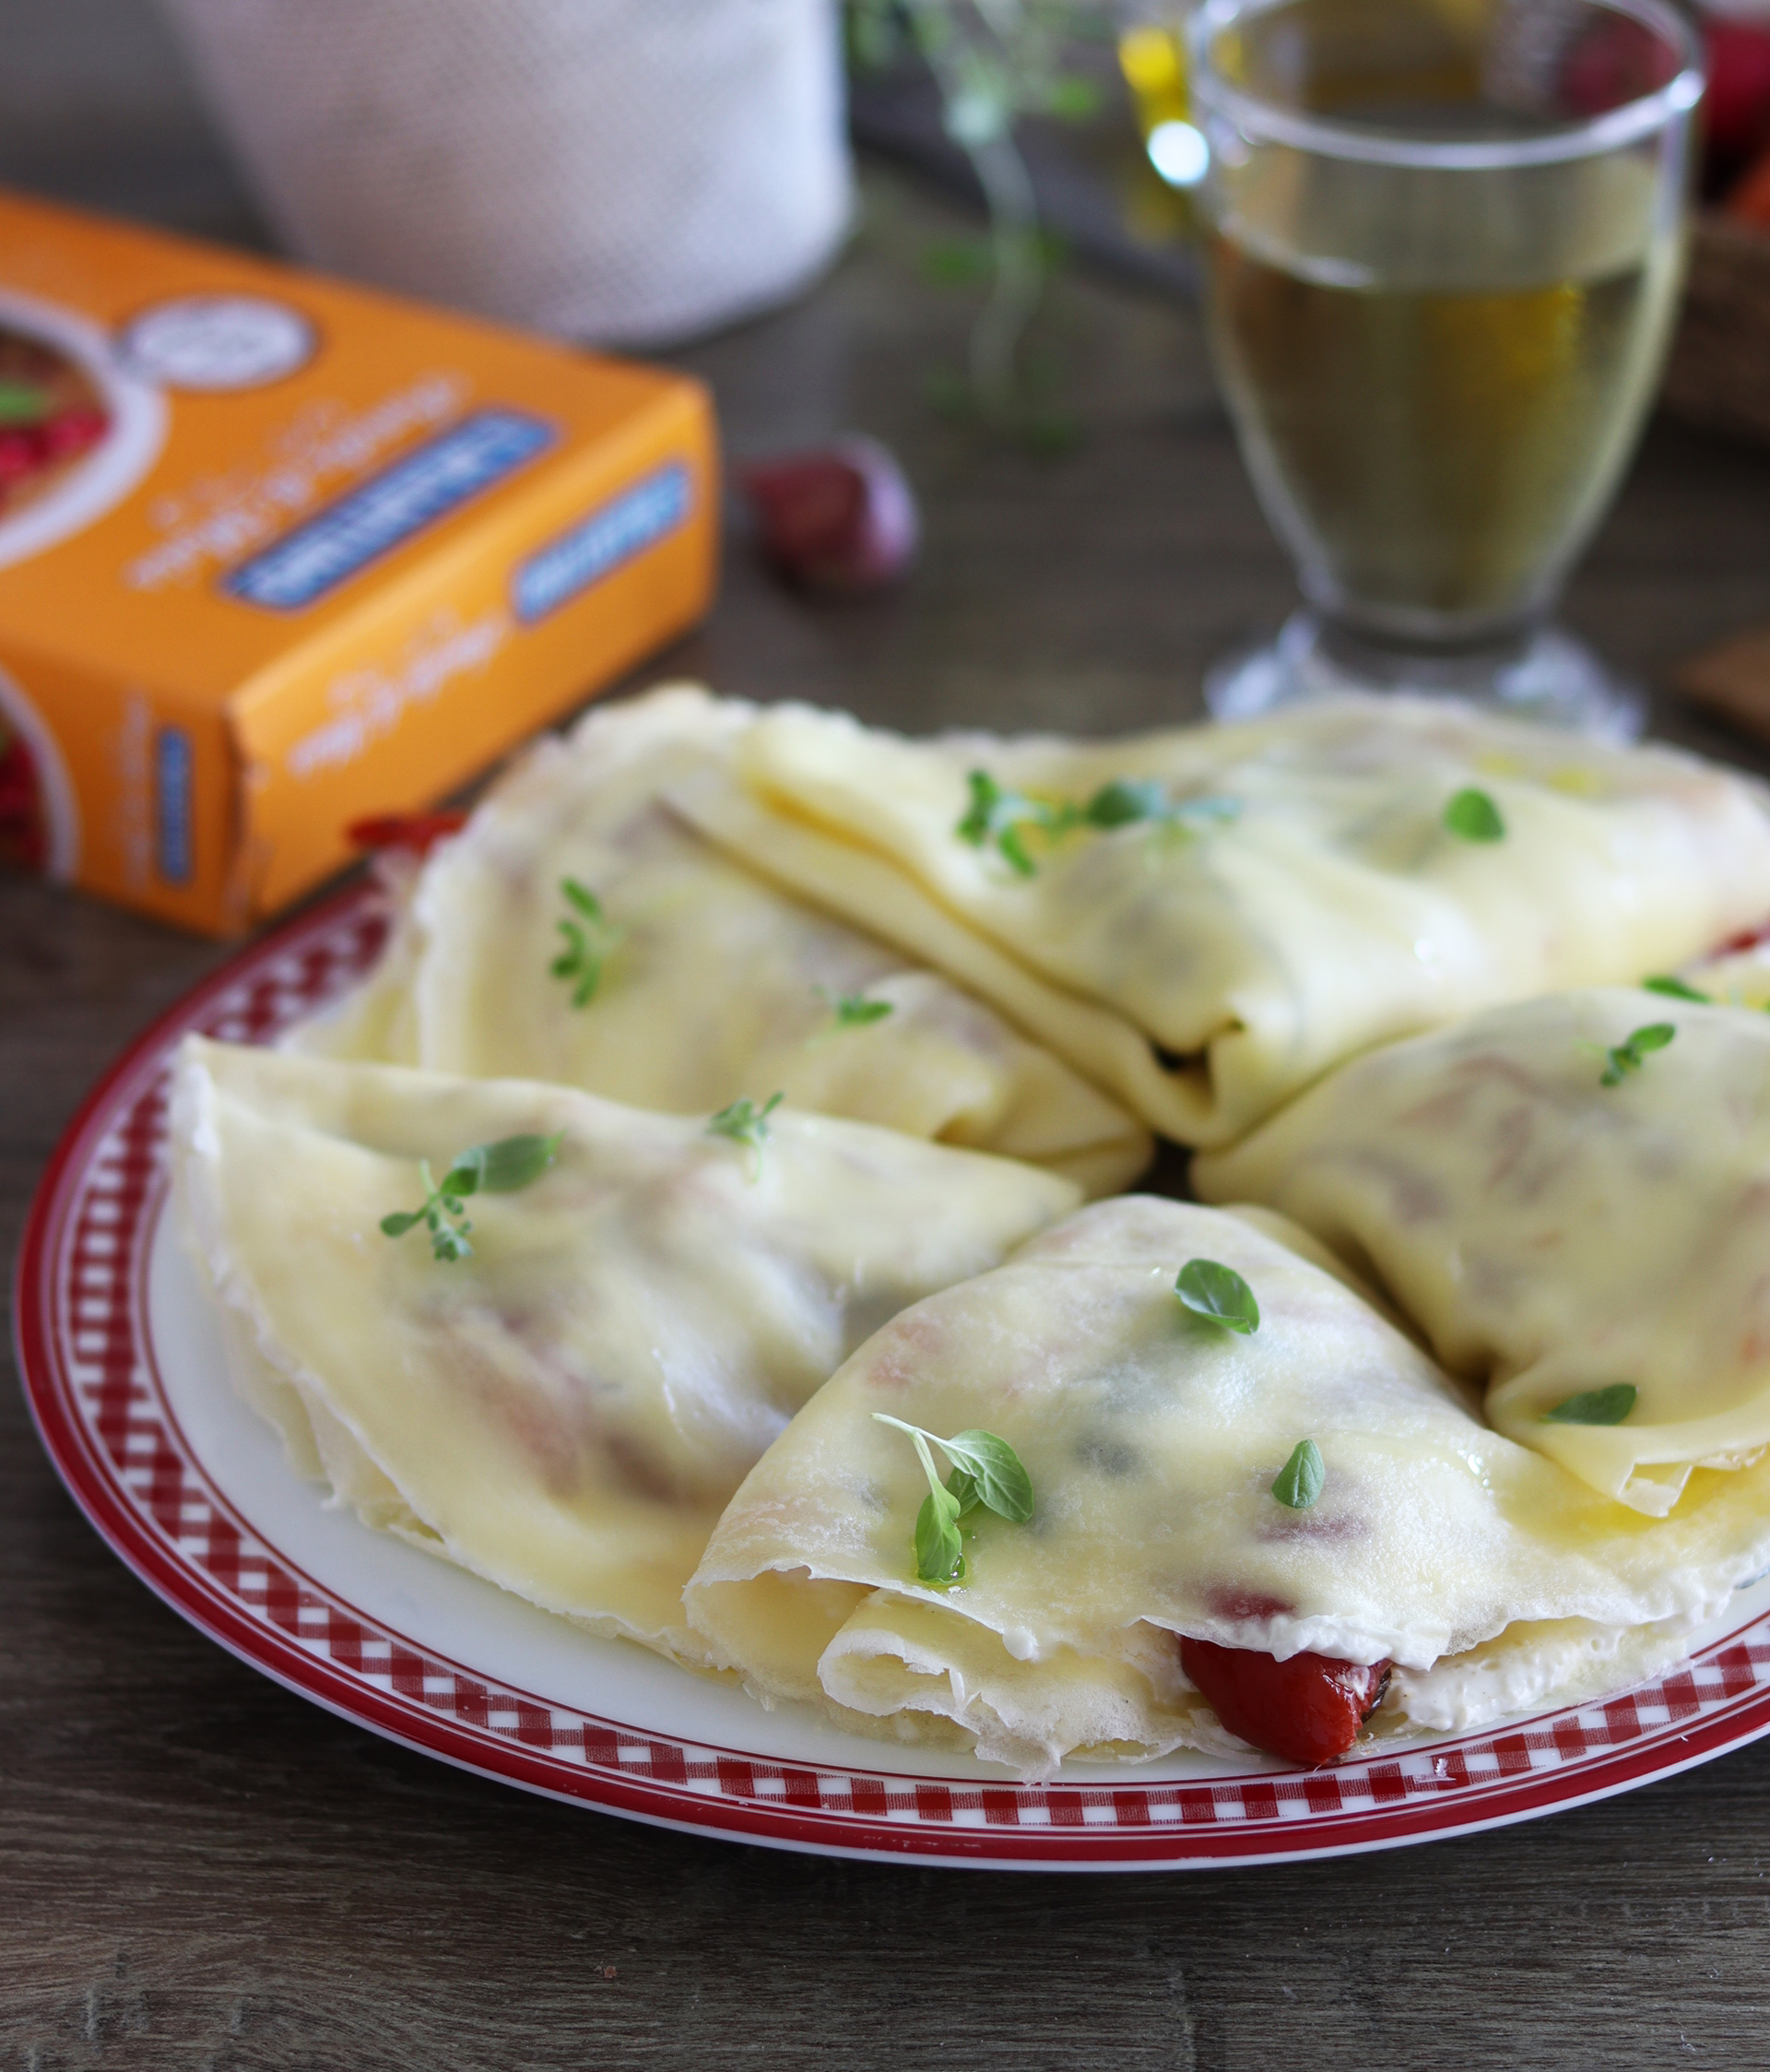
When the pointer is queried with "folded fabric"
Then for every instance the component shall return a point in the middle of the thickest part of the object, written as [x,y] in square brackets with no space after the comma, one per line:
[560,1382]
[1158,1442]
[1205,920]
[1571,1198]
[578,932]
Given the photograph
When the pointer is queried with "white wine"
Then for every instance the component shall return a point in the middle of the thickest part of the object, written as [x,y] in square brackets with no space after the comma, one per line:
[1437,454]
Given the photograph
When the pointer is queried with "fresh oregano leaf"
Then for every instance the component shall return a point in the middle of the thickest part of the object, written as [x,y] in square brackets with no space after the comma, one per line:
[1594,1406]
[1472,816]
[986,1470]
[1219,1293]
[1627,1056]
[940,1550]
[1001,1482]
[494,1168]
[1301,1476]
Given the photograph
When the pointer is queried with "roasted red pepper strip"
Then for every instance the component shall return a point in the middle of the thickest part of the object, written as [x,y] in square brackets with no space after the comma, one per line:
[1307,1709]
[418,832]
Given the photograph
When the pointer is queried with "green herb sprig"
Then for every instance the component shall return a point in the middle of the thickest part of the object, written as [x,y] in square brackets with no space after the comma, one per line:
[1302,1477]
[503,1168]
[1472,816]
[851,1010]
[1219,1293]
[1594,1406]
[746,1124]
[589,942]
[1004,817]
[1630,1054]
[986,1473]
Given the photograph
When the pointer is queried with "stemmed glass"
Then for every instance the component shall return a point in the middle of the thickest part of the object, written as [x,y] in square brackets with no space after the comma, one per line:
[1445,244]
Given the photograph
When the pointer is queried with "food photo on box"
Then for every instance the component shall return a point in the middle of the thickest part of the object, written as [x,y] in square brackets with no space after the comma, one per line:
[884,957]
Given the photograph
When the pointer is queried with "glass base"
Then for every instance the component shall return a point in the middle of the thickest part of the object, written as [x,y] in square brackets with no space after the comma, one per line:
[1544,675]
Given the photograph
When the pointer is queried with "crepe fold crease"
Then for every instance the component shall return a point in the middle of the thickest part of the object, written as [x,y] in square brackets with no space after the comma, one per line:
[713,982]
[1488,1574]
[1204,919]
[567,1410]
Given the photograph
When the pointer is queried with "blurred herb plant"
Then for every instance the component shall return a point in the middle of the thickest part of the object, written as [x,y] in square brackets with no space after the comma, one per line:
[995,62]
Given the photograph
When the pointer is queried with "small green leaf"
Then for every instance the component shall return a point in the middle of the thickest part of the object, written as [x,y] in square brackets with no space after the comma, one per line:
[514,1162]
[1002,1484]
[743,1122]
[939,1551]
[854,1011]
[1675,989]
[1627,1056]
[980,816]
[397,1226]
[1301,1476]
[1594,1406]
[1473,816]
[964,1489]
[1219,1293]
[1126,800]
[583,899]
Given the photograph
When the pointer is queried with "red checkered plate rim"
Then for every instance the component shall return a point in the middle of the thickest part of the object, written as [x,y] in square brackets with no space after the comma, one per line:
[106,1374]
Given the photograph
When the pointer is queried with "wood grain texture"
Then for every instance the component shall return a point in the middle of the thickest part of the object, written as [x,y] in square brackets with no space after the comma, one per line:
[198,1870]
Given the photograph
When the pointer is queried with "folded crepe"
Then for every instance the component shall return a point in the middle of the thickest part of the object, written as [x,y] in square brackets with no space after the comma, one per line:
[567,1408]
[1578,1216]
[1205,920]
[1493,1580]
[709,982]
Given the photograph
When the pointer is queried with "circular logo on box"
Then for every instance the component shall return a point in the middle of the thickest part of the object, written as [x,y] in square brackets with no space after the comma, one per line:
[212,344]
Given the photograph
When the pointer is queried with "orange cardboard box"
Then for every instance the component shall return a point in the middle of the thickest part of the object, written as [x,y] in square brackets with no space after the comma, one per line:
[277,554]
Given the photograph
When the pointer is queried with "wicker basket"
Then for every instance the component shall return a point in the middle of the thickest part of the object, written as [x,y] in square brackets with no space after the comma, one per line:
[1720,375]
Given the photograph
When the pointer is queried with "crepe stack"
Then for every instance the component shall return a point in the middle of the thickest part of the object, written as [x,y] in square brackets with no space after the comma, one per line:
[649,1396]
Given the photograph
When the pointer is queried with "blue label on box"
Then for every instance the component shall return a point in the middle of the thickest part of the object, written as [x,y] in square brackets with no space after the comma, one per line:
[172,804]
[389,509]
[614,532]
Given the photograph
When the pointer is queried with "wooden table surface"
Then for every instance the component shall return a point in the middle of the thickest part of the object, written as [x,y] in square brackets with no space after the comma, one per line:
[198,1869]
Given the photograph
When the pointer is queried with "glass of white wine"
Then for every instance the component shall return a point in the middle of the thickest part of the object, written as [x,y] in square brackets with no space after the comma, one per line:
[1444,242]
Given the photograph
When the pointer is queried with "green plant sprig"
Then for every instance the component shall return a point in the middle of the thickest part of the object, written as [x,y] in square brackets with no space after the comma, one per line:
[746,1124]
[851,1010]
[986,1473]
[1219,1294]
[998,815]
[496,1168]
[589,942]
[1634,1050]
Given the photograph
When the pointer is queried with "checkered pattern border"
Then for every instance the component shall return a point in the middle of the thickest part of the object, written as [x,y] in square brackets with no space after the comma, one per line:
[218,1573]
